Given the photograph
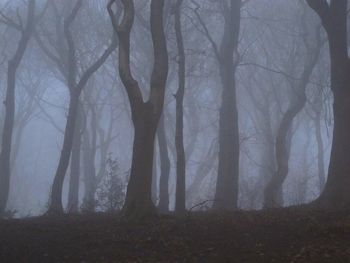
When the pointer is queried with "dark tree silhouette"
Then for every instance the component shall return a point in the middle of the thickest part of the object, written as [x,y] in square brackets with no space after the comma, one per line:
[13,64]
[226,54]
[313,46]
[333,15]
[145,114]
[75,88]
[180,202]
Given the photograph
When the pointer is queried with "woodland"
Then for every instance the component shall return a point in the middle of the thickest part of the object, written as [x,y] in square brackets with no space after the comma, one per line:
[174,131]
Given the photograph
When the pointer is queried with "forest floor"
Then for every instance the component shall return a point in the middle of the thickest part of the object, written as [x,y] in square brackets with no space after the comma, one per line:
[281,235]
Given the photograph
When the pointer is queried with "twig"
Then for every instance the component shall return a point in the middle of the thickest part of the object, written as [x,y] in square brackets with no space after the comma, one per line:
[197,205]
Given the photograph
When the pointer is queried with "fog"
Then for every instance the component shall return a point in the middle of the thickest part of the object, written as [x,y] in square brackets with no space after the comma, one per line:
[269,64]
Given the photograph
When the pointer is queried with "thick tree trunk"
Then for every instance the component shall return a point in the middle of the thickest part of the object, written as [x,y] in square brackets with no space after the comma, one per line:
[138,202]
[145,115]
[163,205]
[73,193]
[56,206]
[334,15]
[226,196]
[336,192]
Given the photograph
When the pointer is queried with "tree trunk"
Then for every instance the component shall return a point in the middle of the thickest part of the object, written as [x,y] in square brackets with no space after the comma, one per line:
[7,137]
[226,196]
[333,15]
[266,170]
[145,115]
[336,192]
[163,205]
[155,179]
[73,193]
[56,206]
[180,200]
[7,133]
[320,152]
[138,202]
[273,190]
[313,46]
[89,172]
[75,89]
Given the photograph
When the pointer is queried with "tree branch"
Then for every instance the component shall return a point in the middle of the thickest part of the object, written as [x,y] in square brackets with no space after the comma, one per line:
[206,31]
[123,31]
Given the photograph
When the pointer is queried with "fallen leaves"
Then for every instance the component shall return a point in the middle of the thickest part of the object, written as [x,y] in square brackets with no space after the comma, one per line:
[281,235]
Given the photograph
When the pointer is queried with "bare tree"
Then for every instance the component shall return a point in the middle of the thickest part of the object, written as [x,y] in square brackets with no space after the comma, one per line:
[333,15]
[13,64]
[67,63]
[227,57]
[145,115]
[180,203]
[313,45]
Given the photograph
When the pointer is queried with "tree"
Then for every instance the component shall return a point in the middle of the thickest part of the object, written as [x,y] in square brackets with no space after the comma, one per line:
[145,114]
[333,15]
[67,63]
[13,64]
[313,46]
[73,192]
[163,205]
[226,195]
[180,202]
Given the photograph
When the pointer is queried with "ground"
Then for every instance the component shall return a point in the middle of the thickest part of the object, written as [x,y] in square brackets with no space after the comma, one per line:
[282,235]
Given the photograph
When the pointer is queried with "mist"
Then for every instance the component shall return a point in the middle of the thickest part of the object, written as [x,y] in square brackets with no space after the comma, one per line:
[139,109]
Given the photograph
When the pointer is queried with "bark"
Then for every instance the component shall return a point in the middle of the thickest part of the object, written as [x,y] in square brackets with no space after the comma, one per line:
[73,193]
[56,194]
[90,183]
[145,115]
[226,196]
[180,199]
[163,205]
[336,191]
[155,179]
[268,160]
[266,170]
[320,152]
[138,203]
[227,183]
[7,133]
[333,15]
[273,196]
